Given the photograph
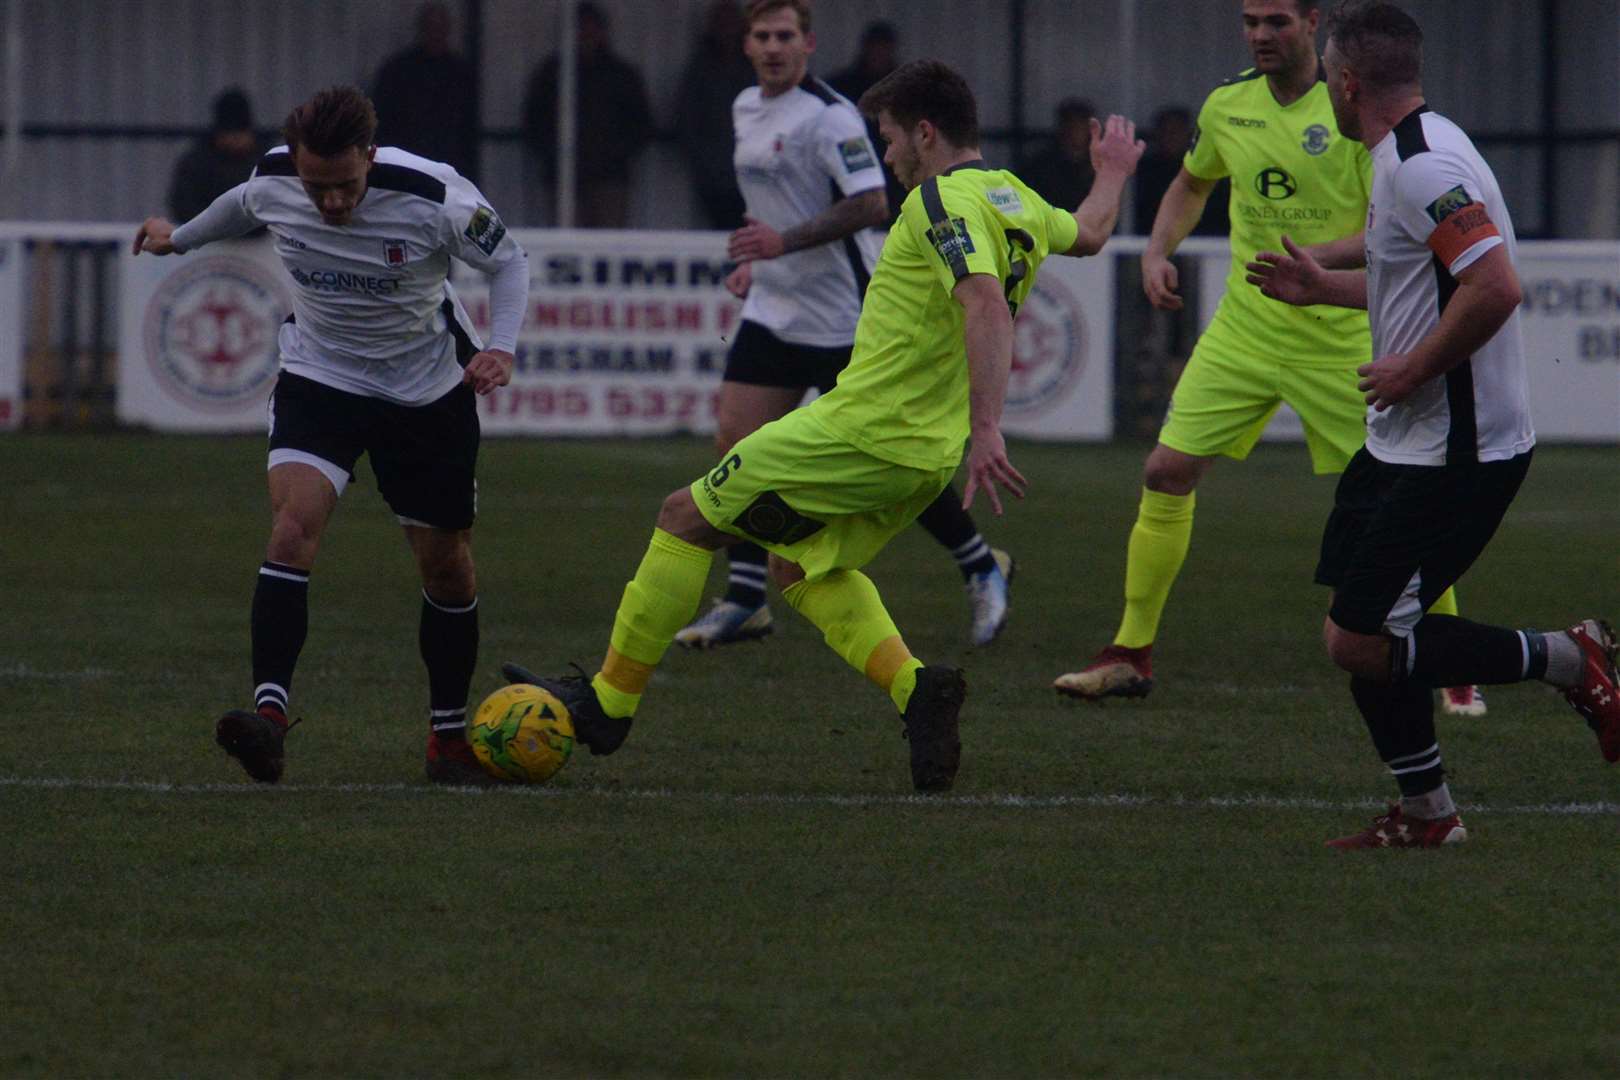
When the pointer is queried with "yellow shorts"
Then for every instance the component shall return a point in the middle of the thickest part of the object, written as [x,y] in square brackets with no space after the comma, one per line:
[1221,405]
[798,490]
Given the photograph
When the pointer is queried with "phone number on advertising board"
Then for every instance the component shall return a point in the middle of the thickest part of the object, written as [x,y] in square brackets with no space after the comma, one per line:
[639,403]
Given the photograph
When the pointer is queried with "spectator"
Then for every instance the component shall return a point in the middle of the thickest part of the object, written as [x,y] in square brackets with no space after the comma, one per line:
[219,161]
[611,116]
[1168,143]
[1061,174]
[715,74]
[879,54]
[427,97]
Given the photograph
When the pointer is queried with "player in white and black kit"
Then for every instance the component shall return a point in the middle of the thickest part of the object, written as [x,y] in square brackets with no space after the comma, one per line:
[1449,438]
[815,192]
[378,358]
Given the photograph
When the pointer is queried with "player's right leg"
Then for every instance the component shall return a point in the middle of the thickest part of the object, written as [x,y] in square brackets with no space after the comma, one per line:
[765,378]
[741,614]
[315,439]
[1219,407]
[656,602]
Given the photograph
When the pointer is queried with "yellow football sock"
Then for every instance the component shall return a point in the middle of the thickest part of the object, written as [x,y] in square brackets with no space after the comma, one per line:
[1157,548]
[658,601]
[1446,604]
[846,608]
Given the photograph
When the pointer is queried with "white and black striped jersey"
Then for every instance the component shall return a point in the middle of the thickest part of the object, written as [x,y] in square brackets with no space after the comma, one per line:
[797,154]
[1435,209]
[372,303]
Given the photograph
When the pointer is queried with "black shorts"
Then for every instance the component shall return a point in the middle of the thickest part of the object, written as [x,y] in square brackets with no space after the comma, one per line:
[425,456]
[759,357]
[1400,535]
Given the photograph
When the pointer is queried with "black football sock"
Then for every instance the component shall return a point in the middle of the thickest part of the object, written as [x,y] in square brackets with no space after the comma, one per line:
[746,584]
[448,637]
[953,528]
[280,622]
[1445,650]
[1400,718]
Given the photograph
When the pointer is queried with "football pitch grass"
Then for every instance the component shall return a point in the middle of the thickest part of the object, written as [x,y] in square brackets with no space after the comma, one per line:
[749,886]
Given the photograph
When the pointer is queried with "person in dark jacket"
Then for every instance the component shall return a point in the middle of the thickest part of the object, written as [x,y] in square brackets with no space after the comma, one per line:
[427,97]
[219,161]
[613,120]
[715,73]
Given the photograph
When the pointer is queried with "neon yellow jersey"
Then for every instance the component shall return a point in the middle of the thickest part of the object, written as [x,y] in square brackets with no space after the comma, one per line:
[904,395]
[1292,172]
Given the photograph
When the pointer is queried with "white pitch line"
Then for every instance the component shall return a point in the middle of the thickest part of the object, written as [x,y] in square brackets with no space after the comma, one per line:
[992,801]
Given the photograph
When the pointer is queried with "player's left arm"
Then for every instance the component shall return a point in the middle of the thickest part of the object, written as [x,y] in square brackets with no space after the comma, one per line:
[1438,203]
[843,151]
[472,232]
[1115,150]
[987,331]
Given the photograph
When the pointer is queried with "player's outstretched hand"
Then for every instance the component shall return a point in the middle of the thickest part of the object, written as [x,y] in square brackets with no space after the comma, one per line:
[987,466]
[1160,280]
[1389,380]
[489,369]
[755,240]
[1115,146]
[740,280]
[153,237]
[1292,277]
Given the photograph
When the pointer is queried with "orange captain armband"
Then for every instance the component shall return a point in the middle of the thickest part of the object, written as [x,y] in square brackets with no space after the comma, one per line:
[1460,223]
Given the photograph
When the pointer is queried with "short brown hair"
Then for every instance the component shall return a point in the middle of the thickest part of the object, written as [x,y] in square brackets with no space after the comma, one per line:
[758,9]
[331,122]
[927,90]
[1383,43]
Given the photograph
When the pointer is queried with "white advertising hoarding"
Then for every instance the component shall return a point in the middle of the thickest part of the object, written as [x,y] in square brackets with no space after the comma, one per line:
[197,337]
[1571,317]
[627,333]
[11,334]
[1571,326]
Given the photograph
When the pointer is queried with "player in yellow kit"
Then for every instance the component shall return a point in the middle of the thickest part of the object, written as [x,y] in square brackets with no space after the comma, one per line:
[1271,129]
[824,488]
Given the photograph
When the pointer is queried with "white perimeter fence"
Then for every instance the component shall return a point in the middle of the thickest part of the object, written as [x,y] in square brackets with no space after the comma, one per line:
[626,334]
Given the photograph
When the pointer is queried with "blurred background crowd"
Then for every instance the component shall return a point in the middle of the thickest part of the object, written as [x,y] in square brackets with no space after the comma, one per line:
[194,90]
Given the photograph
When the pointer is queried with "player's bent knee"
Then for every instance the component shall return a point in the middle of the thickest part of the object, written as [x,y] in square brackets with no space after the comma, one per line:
[680,517]
[294,538]
[1171,472]
[1365,655]
[783,572]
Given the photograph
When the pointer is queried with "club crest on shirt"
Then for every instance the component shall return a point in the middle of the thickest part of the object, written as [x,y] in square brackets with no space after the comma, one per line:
[485,230]
[1316,139]
[952,240]
[856,154]
[1449,203]
[394,252]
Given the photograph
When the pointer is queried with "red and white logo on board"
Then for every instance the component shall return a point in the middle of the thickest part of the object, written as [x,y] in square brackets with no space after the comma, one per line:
[210,332]
[1049,348]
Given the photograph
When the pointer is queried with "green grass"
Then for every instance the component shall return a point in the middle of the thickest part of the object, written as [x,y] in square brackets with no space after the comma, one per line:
[747,888]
